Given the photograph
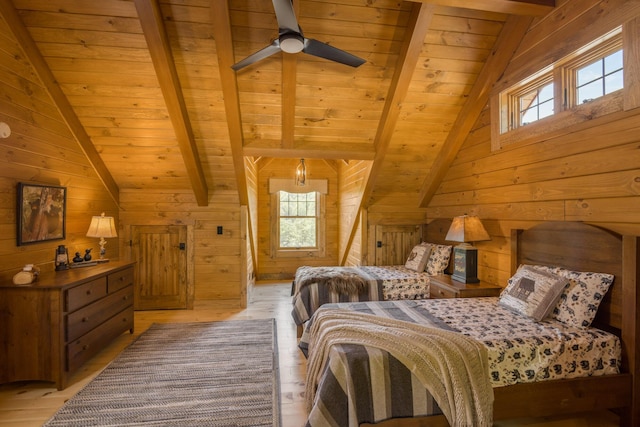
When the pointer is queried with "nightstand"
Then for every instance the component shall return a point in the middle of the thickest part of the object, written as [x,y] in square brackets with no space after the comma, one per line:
[443,286]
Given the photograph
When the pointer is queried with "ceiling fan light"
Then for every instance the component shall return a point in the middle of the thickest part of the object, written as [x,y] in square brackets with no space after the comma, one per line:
[291,43]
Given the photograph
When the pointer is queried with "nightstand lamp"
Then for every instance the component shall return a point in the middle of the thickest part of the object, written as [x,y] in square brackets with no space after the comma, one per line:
[466,229]
[102,227]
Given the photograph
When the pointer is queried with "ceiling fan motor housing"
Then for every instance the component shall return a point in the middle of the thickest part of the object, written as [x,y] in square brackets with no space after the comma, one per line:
[291,42]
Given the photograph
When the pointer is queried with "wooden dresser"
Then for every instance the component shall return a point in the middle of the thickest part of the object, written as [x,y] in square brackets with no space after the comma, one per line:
[50,328]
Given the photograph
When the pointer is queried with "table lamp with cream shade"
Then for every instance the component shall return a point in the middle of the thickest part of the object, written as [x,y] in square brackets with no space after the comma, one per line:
[103,227]
[466,229]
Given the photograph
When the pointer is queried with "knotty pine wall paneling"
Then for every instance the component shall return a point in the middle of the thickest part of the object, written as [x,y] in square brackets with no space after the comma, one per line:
[351,183]
[584,172]
[271,267]
[42,150]
[217,261]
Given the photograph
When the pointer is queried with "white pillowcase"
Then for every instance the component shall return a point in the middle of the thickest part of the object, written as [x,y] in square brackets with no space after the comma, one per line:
[418,258]
[532,292]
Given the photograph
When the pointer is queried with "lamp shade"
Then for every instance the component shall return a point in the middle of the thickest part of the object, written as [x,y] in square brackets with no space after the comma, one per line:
[467,228]
[102,226]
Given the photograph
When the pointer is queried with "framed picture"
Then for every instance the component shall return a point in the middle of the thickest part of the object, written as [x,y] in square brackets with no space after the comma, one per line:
[41,213]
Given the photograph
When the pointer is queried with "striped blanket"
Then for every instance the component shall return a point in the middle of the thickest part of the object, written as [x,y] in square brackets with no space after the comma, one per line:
[376,283]
[452,371]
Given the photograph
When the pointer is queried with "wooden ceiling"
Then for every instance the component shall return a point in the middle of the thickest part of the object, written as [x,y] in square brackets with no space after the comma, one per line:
[147,87]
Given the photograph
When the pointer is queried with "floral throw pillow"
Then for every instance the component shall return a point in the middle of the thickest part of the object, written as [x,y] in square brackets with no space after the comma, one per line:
[418,258]
[439,258]
[580,300]
[533,293]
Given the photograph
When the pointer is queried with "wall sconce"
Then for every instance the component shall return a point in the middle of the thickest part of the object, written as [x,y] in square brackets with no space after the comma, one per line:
[301,173]
[102,226]
[466,229]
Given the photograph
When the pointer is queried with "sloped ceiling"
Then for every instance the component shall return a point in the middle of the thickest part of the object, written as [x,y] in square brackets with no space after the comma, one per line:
[148,90]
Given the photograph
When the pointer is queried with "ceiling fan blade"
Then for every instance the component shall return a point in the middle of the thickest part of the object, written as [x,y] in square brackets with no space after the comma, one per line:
[323,50]
[261,54]
[286,16]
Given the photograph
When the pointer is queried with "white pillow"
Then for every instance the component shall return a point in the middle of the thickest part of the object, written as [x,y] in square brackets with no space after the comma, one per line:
[418,258]
[532,292]
[579,301]
[439,258]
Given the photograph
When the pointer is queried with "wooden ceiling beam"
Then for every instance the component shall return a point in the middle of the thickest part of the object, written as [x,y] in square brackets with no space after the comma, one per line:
[224,48]
[165,67]
[41,68]
[417,27]
[314,151]
[508,41]
[289,70]
[511,7]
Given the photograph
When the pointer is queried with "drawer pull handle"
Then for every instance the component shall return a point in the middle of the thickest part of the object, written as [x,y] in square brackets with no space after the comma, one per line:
[85,347]
[85,319]
[89,292]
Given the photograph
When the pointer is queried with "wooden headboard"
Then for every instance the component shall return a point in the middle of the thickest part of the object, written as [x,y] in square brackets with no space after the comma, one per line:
[582,247]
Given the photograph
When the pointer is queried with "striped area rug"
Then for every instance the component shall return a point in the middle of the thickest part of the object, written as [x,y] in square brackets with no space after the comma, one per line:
[185,374]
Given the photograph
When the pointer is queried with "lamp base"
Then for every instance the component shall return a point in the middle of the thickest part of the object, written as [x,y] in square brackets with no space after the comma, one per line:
[465,264]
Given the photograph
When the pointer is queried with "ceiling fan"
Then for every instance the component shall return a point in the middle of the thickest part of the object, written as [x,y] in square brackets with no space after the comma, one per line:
[291,40]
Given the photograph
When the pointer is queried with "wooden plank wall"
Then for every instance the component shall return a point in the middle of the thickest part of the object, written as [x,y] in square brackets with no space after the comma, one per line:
[217,258]
[271,267]
[589,172]
[41,150]
[352,179]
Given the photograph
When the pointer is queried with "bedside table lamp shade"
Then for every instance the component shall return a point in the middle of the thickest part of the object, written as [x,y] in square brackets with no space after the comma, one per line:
[466,229]
[102,226]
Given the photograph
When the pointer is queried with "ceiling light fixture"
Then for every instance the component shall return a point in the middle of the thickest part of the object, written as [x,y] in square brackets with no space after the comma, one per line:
[291,43]
[301,173]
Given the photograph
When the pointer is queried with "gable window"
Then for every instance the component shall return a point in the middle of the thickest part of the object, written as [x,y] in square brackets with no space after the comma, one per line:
[600,78]
[536,104]
[562,94]
[298,220]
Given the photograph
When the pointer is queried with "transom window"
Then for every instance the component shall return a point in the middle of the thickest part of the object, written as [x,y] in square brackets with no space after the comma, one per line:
[557,93]
[298,220]
[536,104]
[600,78]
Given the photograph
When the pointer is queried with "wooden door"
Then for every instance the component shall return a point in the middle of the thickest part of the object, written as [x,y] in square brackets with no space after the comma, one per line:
[394,243]
[161,256]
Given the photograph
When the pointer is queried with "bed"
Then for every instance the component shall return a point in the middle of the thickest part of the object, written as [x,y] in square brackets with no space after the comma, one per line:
[314,286]
[611,380]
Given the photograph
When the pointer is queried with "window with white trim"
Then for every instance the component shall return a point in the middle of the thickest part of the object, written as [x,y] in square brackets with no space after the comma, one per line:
[298,217]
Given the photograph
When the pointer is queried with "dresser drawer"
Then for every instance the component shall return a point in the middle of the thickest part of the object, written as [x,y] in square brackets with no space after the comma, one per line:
[120,279]
[436,291]
[82,349]
[86,293]
[87,318]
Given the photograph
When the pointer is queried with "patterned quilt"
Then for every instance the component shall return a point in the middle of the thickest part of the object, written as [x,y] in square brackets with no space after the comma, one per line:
[385,283]
[519,350]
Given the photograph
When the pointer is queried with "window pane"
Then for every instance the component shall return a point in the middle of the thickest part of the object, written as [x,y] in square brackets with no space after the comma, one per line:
[613,62]
[590,92]
[546,93]
[546,109]
[297,232]
[590,73]
[613,82]
[528,116]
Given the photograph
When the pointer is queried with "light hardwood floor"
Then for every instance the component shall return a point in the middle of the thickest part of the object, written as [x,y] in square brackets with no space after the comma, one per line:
[32,403]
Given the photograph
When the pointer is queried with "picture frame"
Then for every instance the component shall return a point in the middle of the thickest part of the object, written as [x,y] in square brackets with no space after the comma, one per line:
[41,212]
